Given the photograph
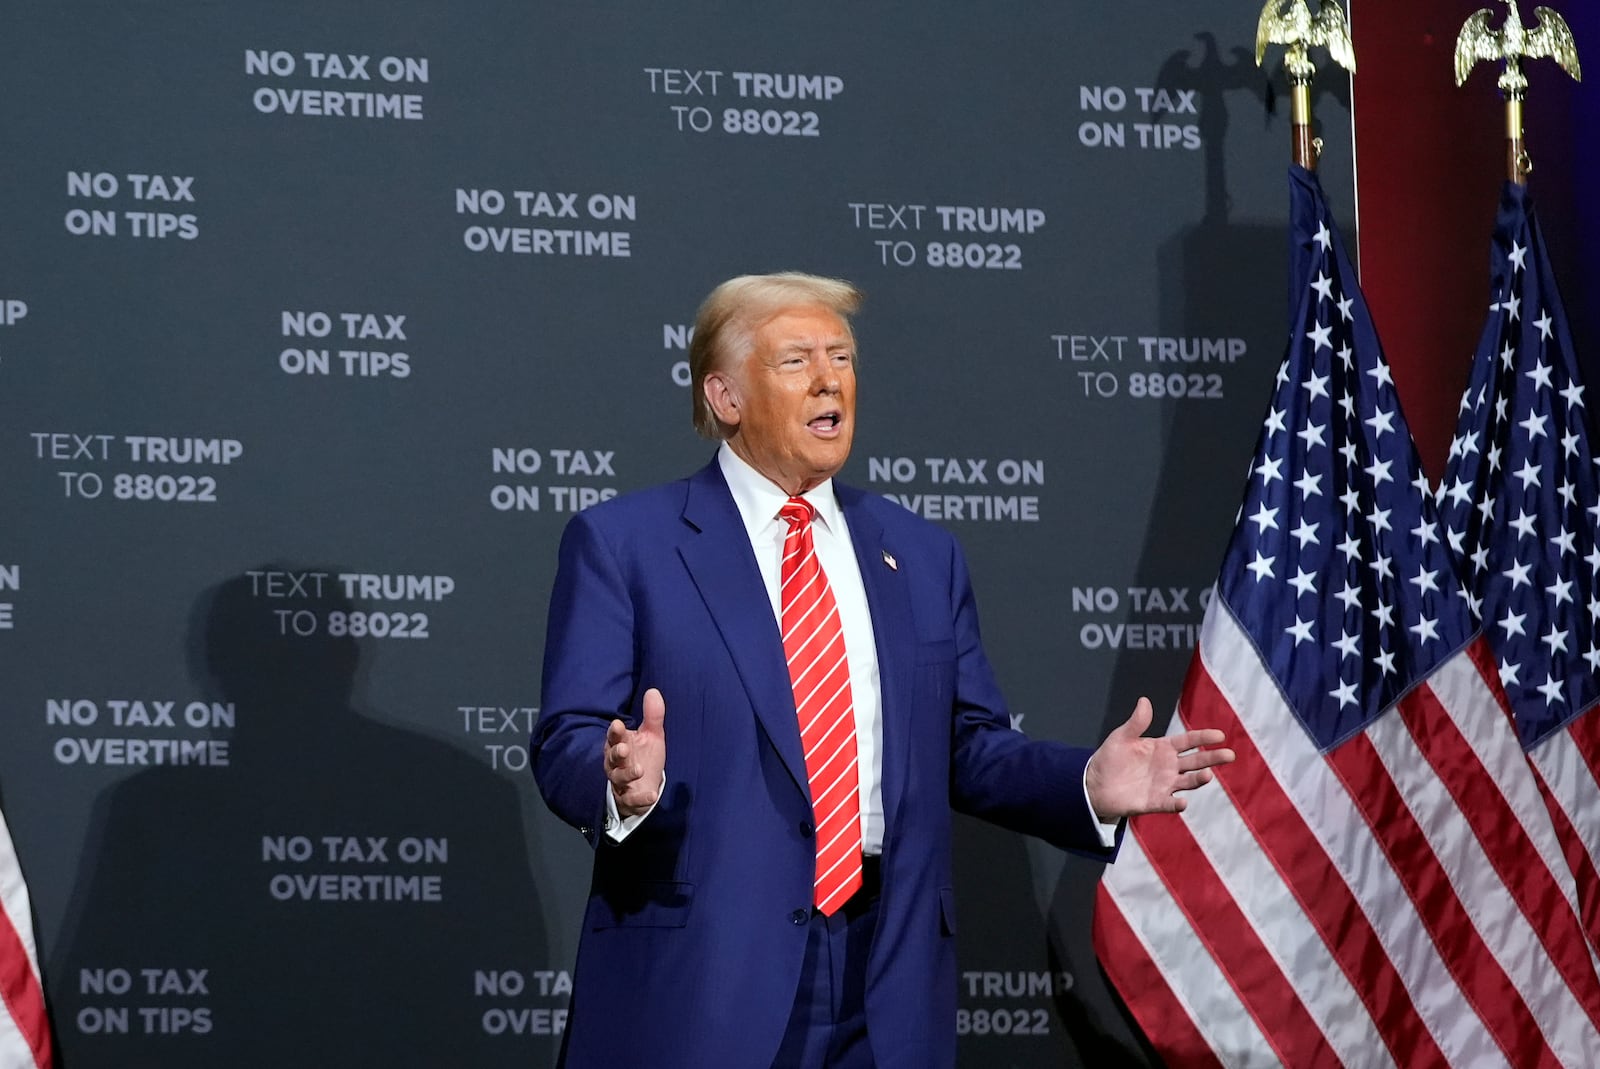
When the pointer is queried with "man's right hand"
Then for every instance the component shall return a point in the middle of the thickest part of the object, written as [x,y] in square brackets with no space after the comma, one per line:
[636,761]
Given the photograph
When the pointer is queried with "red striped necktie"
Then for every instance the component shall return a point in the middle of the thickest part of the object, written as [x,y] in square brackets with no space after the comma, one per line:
[813,643]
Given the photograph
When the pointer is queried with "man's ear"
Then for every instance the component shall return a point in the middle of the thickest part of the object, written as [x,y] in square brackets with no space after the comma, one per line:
[723,396]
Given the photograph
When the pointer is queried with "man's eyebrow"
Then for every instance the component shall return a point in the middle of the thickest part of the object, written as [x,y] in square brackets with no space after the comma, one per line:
[801,345]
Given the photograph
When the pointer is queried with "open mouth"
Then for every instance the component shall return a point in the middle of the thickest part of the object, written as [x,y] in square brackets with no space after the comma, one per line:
[826,423]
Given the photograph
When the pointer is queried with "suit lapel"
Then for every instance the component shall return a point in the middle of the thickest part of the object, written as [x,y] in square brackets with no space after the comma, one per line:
[892,630]
[723,566]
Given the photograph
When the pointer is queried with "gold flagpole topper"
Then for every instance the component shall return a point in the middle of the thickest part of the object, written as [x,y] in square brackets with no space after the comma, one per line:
[1290,23]
[1550,36]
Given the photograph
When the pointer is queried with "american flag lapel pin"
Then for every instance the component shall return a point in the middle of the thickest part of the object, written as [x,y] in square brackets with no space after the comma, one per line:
[888,558]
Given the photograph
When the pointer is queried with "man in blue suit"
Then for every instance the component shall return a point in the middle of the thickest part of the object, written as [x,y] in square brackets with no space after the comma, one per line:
[714,936]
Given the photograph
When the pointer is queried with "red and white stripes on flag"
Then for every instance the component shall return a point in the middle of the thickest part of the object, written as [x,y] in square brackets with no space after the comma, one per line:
[24,1029]
[1568,765]
[1400,900]
[1520,504]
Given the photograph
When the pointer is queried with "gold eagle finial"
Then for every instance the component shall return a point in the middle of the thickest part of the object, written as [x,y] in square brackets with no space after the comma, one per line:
[1550,36]
[1290,23]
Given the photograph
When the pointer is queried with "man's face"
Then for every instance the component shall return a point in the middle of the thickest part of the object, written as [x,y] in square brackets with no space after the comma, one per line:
[793,399]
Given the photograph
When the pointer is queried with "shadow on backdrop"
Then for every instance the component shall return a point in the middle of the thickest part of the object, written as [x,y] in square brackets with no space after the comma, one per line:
[1214,276]
[269,899]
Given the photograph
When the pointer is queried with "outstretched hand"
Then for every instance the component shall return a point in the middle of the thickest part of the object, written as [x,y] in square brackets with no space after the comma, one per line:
[635,761]
[1130,774]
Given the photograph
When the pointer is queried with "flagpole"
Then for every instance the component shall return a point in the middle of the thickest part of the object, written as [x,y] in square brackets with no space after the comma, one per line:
[1307,148]
[1511,44]
[1290,23]
[1380,881]
[1519,165]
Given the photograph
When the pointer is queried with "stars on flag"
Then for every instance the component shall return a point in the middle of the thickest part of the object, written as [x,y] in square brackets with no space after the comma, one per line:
[1338,506]
[1519,472]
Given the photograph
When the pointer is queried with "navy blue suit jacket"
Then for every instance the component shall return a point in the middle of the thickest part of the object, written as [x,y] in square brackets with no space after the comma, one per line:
[693,936]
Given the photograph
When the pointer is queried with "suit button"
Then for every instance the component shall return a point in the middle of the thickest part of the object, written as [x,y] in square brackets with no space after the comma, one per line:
[800,916]
[806,830]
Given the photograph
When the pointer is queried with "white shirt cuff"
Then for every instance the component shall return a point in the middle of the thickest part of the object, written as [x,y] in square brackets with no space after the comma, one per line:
[619,827]
[1108,832]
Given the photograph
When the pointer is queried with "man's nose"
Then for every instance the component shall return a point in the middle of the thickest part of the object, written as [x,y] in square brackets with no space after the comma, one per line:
[825,377]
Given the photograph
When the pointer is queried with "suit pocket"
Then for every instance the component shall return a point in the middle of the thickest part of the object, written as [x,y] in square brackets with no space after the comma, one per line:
[649,904]
[947,911]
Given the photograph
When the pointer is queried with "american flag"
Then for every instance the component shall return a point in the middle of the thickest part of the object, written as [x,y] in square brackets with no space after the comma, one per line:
[1376,880]
[1521,502]
[24,1029]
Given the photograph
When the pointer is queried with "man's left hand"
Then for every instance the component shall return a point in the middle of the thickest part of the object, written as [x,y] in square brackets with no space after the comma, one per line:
[1130,774]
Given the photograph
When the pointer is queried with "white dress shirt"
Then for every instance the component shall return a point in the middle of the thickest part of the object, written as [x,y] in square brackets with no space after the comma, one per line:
[759,501]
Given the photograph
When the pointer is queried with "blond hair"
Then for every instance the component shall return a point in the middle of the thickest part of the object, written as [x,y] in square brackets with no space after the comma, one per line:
[725,326]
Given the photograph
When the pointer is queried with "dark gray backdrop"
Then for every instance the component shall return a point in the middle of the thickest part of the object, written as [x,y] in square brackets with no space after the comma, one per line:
[333,853]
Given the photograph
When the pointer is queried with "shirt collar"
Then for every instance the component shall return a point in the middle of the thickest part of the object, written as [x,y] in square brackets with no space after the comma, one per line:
[759,498]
